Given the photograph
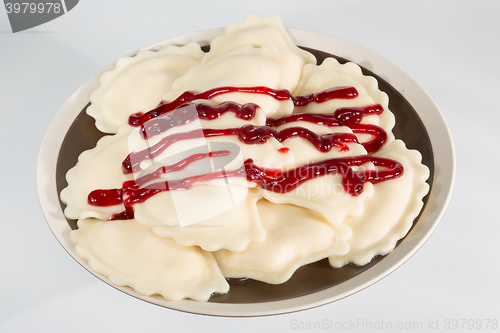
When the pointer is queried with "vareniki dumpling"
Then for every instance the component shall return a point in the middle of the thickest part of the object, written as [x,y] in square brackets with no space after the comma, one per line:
[246,161]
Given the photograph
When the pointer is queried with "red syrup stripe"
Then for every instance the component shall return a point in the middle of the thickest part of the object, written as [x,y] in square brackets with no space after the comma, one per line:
[250,134]
[247,134]
[341,117]
[184,115]
[269,179]
[138,119]
[350,117]
[112,197]
[181,165]
[273,180]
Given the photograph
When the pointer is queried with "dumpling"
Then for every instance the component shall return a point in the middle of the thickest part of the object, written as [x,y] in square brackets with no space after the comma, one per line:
[211,217]
[97,168]
[264,66]
[390,212]
[295,237]
[129,254]
[333,74]
[325,194]
[138,83]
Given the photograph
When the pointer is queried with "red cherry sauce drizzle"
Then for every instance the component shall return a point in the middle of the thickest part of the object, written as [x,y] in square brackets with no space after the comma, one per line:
[273,180]
[283,150]
[182,164]
[350,117]
[250,134]
[105,197]
[138,119]
[247,134]
[269,179]
[184,115]
[127,214]
[353,181]
[111,197]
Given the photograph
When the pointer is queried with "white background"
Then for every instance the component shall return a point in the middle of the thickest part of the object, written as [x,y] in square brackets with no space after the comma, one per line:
[451,48]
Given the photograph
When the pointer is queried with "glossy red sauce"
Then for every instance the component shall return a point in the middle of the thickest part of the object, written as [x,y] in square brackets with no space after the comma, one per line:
[269,179]
[138,119]
[283,150]
[247,134]
[139,190]
[350,117]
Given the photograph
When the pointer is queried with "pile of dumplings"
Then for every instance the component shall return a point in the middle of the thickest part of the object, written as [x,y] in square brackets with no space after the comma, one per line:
[185,244]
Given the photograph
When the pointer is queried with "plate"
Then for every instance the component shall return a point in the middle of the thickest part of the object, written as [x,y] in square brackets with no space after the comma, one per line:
[418,122]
